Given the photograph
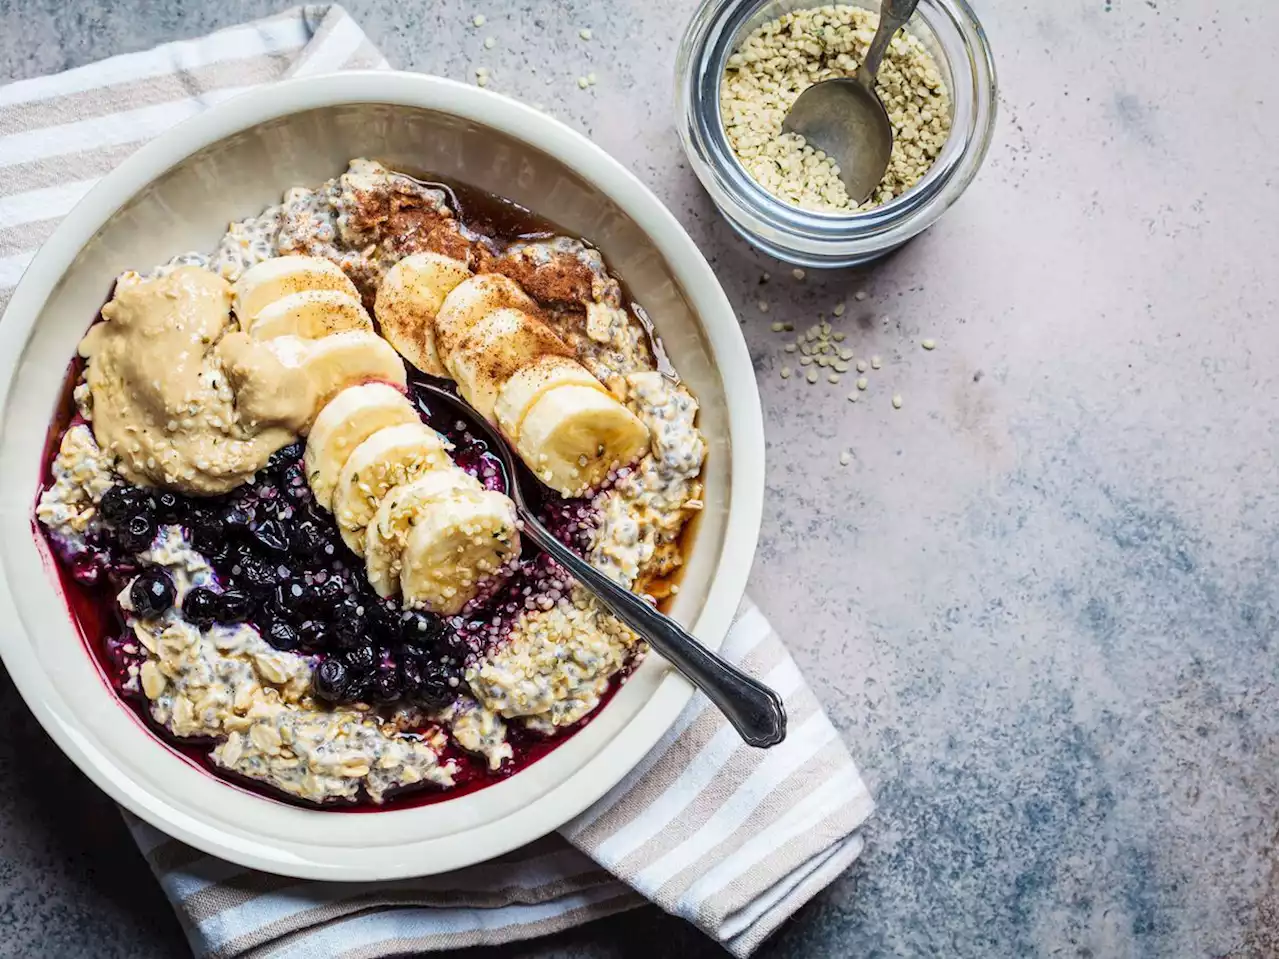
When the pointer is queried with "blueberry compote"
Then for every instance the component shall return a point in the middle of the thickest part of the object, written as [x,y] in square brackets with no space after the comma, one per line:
[282,567]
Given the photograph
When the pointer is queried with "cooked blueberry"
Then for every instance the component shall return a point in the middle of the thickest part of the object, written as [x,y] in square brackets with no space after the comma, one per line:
[433,688]
[254,572]
[169,506]
[363,657]
[308,539]
[282,636]
[413,653]
[235,520]
[234,606]
[200,607]
[331,680]
[205,530]
[269,534]
[151,593]
[137,532]
[344,638]
[359,687]
[418,627]
[121,503]
[351,618]
[333,591]
[314,634]
[386,686]
[410,667]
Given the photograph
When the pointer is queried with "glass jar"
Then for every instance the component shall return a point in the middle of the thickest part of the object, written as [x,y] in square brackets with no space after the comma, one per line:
[950,32]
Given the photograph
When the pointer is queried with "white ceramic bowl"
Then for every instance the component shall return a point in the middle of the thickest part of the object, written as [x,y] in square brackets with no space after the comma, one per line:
[177,194]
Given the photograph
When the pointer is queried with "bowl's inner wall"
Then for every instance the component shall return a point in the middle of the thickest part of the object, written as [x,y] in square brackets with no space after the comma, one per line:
[188,208]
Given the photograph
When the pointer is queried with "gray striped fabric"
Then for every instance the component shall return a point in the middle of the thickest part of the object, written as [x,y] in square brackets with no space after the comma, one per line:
[731,838]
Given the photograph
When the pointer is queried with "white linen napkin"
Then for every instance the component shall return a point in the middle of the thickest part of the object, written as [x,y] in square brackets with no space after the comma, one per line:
[733,839]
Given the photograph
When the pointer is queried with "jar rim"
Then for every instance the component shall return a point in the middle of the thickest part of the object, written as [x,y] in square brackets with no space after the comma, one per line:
[790,231]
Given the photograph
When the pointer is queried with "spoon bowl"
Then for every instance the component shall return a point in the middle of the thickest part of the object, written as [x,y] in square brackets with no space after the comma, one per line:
[753,709]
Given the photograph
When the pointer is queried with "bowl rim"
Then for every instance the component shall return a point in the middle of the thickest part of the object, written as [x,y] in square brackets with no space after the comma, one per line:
[716,319]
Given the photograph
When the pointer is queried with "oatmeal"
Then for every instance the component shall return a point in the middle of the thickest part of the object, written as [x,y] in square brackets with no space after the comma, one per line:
[782,58]
[351,617]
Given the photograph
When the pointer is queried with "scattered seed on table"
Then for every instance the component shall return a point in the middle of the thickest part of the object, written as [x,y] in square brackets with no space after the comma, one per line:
[762,306]
[860,366]
[838,310]
[846,458]
[798,273]
[833,377]
[482,71]
[478,20]
[897,401]
[490,43]
[824,361]
[838,337]
[785,372]
[840,366]
[812,376]
[482,80]
[591,79]
[852,397]
[860,295]
[862,383]
[584,33]
[846,353]
[875,362]
[583,83]
[790,347]
[928,344]
[806,360]
[776,327]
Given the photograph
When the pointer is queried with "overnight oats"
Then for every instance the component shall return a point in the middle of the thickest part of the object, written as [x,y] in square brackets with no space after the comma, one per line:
[299,572]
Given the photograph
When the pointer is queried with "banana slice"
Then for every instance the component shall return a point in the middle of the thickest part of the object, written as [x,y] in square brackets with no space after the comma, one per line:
[573,436]
[341,360]
[457,544]
[280,276]
[471,301]
[501,344]
[408,301]
[352,417]
[310,314]
[388,531]
[391,457]
[527,385]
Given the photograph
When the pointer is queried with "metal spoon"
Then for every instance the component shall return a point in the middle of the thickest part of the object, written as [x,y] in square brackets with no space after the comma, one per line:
[844,117]
[753,709]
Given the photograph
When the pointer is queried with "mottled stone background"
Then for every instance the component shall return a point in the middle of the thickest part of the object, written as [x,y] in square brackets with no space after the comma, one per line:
[1040,602]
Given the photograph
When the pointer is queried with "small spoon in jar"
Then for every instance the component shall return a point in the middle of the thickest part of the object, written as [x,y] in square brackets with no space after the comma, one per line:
[844,118]
[752,708]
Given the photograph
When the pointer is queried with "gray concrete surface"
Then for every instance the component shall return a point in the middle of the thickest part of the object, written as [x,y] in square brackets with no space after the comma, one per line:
[1040,602]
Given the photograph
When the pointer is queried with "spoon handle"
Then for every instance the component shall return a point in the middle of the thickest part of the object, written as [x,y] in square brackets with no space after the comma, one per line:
[893,14]
[753,709]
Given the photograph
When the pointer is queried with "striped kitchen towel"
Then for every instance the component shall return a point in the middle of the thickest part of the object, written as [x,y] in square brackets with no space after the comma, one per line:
[732,838]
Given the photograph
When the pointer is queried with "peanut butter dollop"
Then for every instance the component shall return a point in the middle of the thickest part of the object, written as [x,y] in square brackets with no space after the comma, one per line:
[179,398]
